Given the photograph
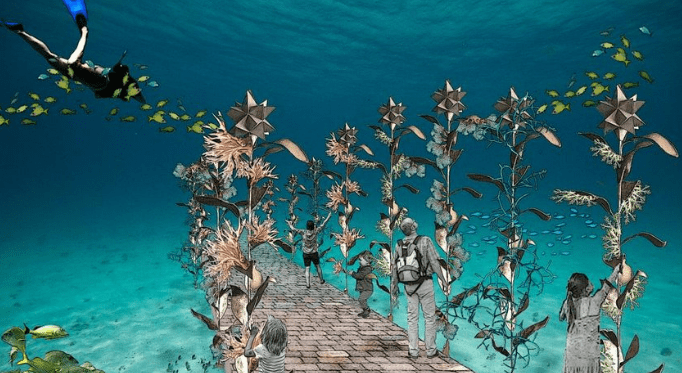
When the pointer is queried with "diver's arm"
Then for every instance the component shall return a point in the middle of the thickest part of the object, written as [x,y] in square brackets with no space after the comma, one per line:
[80,48]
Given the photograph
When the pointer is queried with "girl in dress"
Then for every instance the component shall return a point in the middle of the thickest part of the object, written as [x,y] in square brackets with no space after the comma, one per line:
[582,311]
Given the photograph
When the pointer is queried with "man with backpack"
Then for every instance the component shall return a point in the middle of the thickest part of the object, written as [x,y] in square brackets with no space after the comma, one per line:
[415,262]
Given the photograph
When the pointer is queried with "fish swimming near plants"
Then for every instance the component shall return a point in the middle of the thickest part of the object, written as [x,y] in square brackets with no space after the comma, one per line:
[46,332]
[16,338]
[645,75]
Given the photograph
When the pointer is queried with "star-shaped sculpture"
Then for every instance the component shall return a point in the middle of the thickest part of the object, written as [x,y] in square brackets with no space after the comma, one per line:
[511,106]
[348,134]
[250,118]
[619,113]
[449,101]
[392,114]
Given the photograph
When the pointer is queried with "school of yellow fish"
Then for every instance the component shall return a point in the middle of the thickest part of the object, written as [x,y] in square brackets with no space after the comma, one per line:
[31,107]
[599,85]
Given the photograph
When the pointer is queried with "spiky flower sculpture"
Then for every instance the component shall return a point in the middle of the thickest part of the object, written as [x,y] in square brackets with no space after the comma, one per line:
[398,164]
[442,146]
[620,117]
[230,155]
[345,150]
[508,286]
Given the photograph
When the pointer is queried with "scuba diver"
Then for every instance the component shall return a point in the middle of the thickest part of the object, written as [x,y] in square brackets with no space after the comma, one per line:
[114,82]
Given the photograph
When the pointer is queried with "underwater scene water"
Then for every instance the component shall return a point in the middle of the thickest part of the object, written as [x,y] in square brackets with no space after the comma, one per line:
[89,210]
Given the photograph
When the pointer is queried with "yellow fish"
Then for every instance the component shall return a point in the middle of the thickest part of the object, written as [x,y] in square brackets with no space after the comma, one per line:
[607,45]
[560,106]
[569,94]
[591,74]
[599,89]
[199,123]
[194,128]
[589,103]
[158,118]
[34,96]
[552,93]
[3,121]
[160,112]
[621,57]
[174,116]
[129,118]
[200,114]
[113,111]
[143,78]
[625,41]
[10,110]
[161,103]
[609,76]
[146,107]
[630,84]
[212,126]
[167,129]
[645,75]
[581,90]
[28,122]
[63,84]
[67,111]
[125,79]
[638,55]
[185,117]
[133,90]
[22,108]
[50,100]
[117,92]
[39,110]
[541,109]
[53,71]
[70,72]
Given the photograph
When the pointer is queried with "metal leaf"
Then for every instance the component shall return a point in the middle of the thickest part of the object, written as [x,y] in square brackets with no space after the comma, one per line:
[214,201]
[259,294]
[653,239]
[294,149]
[525,333]
[593,137]
[474,193]
[601,201]
[430,118]
[632,350]
[366,149]
[417,132]
[550,136]
[663,143]
[487,179]
[408,187]
[542,215]
[285,246]
[659,369]
[209,323]
[459,298]
[610,335]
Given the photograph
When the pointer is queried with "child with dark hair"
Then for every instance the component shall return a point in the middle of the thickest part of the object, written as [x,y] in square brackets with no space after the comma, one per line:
[272,350]
[582,310]
[363,279]
[310,246]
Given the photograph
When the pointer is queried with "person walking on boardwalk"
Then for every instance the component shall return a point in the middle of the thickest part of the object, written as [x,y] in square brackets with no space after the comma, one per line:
[310,246]
[582,312]
[363,280]
[415,262]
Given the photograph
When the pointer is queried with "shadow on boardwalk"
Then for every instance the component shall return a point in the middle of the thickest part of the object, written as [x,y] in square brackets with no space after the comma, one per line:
[325,333]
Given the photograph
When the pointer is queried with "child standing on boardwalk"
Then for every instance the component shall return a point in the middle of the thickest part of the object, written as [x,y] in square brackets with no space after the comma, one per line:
[363,279]
[272,350]
[310,246]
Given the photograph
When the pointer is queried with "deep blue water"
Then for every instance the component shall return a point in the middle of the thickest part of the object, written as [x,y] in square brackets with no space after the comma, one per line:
[84,179]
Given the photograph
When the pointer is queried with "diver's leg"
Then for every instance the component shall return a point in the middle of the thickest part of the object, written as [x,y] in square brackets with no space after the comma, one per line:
[37,44]
[307,276]
[80,48]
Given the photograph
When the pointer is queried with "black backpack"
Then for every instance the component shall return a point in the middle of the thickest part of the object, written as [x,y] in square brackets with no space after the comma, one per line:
[408,262]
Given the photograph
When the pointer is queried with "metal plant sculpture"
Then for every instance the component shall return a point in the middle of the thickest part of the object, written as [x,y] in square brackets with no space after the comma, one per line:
[398,164]
[620,117]
[441,145]
[345,150]
[230,155]
[505,291]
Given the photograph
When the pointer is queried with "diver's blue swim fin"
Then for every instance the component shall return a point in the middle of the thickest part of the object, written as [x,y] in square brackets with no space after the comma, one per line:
[77,8]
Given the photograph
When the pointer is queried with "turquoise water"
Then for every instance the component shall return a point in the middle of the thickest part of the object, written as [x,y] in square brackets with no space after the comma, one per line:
[88,212]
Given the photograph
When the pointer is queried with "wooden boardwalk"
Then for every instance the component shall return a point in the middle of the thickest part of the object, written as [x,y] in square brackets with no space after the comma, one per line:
[325,333]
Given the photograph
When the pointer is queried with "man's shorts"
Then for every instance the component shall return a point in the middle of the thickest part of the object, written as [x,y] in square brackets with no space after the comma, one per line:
[312,257]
